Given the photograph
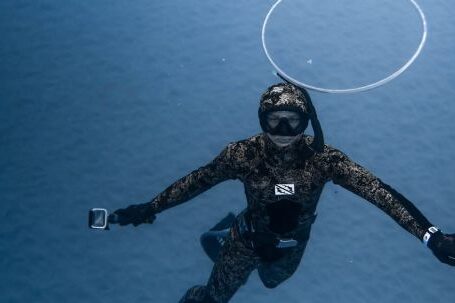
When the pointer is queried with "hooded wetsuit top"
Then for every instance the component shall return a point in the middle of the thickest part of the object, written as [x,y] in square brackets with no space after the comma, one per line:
[283,184]
[271,175]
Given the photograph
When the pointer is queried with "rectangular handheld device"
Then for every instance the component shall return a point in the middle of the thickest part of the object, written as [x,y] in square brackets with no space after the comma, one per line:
[98,218]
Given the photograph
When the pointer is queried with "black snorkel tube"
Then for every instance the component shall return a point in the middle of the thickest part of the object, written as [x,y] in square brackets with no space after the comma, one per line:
[318,142]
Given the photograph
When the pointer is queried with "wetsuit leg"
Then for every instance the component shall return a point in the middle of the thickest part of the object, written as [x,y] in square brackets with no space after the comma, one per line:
[230,272]
[213,240]
[197,294]
[274,273]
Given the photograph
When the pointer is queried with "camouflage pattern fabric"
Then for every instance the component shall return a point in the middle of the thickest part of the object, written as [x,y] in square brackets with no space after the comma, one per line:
[269,175]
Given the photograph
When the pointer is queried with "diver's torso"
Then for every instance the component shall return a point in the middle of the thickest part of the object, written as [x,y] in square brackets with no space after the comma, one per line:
[282,190]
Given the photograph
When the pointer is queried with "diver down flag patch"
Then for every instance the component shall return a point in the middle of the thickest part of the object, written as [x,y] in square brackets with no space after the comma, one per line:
[284,189]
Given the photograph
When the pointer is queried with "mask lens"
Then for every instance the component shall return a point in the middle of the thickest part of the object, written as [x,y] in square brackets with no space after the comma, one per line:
[294,122]
[289,124]
[273,121]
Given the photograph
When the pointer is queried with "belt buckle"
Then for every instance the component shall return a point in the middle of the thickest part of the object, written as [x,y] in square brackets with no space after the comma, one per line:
[286,243]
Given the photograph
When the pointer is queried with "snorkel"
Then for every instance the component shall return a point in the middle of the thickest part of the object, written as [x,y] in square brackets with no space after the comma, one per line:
[318,142]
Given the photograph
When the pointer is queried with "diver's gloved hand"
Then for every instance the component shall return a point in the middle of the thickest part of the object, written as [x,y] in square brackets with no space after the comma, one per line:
[134,214]
[442,245]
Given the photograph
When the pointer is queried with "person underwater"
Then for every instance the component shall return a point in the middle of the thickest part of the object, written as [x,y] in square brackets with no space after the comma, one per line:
[284,172]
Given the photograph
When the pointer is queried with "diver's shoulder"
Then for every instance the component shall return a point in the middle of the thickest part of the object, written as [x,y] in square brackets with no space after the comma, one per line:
[327,151]
[251,142]
[332,154]
[246,147]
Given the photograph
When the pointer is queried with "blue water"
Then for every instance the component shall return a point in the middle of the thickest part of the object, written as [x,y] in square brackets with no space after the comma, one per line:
[105,103]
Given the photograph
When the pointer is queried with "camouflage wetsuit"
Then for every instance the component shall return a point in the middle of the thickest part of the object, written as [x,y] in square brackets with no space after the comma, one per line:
[260,166]
[282,186]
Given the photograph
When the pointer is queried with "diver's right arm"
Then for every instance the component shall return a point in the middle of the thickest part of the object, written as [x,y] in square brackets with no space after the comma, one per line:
[360,181]
[222,168]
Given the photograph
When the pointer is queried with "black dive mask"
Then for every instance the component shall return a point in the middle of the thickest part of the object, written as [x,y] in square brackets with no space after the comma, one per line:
[284,127]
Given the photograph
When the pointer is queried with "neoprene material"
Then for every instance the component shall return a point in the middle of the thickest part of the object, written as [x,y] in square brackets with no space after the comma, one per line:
[443,247]
[135,214]
[197,294]
[284,216]
[271,174]
[213,240]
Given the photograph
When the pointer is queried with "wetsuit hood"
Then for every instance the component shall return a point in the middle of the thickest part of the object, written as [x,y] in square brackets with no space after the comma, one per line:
[288,97]
[283,96]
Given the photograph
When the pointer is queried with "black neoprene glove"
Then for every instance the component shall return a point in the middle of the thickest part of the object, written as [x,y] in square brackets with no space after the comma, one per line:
[443,247]
[134,214]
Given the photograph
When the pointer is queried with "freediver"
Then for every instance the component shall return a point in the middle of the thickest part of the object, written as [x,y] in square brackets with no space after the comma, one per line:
[283,172]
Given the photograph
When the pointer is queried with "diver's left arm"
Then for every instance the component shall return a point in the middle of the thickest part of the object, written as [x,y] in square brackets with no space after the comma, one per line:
[360,181]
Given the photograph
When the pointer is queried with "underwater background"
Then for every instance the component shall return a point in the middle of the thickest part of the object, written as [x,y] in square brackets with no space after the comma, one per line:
[106,103]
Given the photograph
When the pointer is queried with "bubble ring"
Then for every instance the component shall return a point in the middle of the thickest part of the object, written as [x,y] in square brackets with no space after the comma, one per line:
[347,90]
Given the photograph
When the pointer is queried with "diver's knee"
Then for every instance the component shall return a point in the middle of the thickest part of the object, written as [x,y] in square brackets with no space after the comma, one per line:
[271,284]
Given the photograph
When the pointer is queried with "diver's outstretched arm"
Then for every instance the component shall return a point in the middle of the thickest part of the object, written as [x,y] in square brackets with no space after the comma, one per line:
[196,182]
[360,181]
